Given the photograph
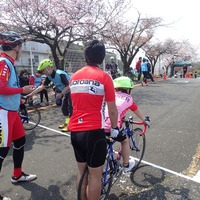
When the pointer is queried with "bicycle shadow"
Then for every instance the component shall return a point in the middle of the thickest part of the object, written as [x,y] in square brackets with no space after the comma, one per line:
[145,176]
[150,183]
[159,192]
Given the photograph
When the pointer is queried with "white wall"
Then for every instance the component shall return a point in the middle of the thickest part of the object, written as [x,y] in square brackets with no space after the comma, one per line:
[39,52]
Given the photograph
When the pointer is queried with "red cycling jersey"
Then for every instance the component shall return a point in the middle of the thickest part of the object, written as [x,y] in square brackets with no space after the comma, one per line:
[4,76]
[90,89]
[9,120]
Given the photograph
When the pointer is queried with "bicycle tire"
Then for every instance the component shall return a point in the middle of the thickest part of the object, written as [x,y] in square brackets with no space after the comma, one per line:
[105,189]
[33,118]
[80,183]
[140,142]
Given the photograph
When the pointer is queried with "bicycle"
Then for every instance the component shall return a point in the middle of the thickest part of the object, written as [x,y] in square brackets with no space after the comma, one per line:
[137,139]
[113,167]
[29,114]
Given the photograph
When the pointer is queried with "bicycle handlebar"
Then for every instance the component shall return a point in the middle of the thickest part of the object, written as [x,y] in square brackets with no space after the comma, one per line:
[26,100]
[131,121]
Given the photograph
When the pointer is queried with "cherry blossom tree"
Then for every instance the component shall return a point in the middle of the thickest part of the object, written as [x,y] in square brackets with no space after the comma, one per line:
[169,51]
[59,23]
[157,50]
[128,37]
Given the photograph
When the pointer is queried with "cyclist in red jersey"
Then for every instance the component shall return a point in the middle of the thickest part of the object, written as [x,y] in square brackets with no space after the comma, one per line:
[90,89]
[11,127]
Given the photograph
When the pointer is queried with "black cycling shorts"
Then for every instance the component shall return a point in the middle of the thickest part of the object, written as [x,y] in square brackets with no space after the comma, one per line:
[90,146]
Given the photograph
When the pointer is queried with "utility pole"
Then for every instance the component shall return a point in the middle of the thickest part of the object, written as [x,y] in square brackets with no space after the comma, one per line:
[31,60]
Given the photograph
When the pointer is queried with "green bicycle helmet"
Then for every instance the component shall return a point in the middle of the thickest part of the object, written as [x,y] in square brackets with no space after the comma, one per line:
[123,82]
[44,64]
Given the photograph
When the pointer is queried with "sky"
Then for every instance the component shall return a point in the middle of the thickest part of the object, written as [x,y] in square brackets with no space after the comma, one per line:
[185,16]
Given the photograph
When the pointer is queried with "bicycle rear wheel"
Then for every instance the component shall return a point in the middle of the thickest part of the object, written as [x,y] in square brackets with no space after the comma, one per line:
[137,144]
[32,118]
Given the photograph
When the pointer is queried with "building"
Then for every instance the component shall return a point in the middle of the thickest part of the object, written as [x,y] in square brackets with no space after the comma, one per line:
[33,53]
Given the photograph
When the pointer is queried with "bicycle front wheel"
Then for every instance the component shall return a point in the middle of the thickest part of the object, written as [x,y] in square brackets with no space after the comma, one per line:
[32,119]
[137,144]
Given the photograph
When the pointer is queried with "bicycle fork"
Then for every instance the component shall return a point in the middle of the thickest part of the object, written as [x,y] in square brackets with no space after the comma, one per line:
[131,137]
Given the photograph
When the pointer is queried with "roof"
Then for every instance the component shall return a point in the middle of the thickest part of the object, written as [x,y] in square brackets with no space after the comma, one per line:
[182,64]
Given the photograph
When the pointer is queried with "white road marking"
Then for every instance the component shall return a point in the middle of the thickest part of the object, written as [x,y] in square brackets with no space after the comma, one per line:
[172,172]
[196,178]
[66,134]
[182,81]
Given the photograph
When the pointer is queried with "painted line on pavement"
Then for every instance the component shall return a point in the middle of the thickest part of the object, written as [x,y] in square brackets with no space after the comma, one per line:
[172,172]
[195,179]
[50,129]
[182,81]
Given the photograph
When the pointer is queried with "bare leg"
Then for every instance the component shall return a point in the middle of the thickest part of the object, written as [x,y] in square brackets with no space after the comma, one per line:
[125,151]
[94,184]
[81,167]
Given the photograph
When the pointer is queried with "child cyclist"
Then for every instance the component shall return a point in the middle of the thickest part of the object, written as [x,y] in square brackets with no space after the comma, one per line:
[124,102]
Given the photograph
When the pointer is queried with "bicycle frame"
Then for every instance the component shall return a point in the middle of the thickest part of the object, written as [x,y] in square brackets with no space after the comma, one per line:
[112,163]
[110,157]
[24,119]
[130,132]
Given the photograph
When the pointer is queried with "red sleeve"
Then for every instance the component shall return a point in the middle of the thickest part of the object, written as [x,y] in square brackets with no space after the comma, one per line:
[31,80]
[133,107]
[109,89]
[4,76]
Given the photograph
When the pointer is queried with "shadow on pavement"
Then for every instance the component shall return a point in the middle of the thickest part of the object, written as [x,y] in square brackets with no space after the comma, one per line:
[150,183]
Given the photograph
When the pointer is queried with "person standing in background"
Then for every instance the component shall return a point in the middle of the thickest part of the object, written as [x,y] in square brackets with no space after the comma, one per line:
[195,74]
[138,67]
[23,78]
[112,67]
[149,72]
[144,70]
[37,80]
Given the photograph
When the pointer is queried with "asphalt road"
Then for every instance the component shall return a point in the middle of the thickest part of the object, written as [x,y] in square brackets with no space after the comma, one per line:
[171,160]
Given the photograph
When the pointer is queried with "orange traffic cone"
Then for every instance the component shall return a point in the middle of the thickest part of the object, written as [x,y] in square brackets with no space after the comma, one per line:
[164,76]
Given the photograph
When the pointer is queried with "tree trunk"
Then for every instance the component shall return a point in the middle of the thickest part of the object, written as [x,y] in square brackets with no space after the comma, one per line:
[56,59]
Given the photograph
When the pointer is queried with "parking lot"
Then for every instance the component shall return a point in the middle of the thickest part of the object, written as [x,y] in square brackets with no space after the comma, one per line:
[171,158]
